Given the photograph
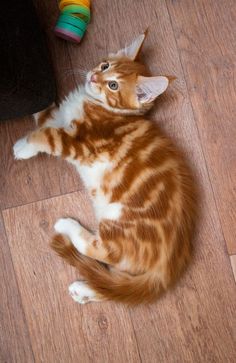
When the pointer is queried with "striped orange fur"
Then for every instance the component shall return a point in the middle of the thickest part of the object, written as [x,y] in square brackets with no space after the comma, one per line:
[141,188]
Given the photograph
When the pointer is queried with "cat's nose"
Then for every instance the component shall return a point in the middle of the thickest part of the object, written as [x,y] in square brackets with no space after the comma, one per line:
[94,78]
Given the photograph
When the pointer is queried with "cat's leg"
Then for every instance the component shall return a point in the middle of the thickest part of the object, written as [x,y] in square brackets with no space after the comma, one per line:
[87,244]
[83,240]
[63,246]
[49,140]
[53,116]
[42,118]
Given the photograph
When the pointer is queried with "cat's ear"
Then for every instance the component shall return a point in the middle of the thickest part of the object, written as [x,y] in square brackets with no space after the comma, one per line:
[132,50]
[149,88]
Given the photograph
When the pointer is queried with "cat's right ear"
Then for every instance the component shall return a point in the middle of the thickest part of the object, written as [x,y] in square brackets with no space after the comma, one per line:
[133,49]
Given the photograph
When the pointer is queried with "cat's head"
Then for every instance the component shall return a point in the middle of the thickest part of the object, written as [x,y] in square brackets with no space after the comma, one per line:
[122,84]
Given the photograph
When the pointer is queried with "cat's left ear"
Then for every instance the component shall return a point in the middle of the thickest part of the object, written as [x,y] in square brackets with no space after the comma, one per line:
[133,49]
[149,88]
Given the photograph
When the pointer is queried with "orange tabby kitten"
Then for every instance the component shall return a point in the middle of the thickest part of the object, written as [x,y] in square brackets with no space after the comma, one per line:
[141,190]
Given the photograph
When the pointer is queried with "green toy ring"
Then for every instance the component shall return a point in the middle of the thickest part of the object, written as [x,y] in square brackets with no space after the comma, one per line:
[72,20]
[78,10]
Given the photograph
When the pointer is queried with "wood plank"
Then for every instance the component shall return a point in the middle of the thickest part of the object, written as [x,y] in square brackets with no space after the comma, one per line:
[38,178]
[60,329]
[15,345]
[186,325]
[205,35]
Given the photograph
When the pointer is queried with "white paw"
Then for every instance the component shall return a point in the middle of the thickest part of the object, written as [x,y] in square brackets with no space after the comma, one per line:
[23,150]
[67,226]
[81,293]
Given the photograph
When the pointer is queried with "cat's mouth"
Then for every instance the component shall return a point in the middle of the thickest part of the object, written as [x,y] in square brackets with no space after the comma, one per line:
[91,77]
[91,85]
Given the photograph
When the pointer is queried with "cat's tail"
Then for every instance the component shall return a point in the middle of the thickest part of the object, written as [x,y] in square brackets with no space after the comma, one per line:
[109,284]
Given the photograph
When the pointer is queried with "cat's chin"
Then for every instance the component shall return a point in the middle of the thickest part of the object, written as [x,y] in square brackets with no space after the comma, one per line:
[91,93]
[88,89]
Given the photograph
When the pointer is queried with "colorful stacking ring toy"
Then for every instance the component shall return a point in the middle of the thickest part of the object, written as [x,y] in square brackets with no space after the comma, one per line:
[73,20]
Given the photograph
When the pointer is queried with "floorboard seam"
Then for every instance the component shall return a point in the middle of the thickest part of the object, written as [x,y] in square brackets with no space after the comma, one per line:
[40,200]
[136,340]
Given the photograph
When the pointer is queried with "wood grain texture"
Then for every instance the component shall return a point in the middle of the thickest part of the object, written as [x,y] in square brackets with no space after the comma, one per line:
[15,345]
[205,35]
[60,329]
[33,179]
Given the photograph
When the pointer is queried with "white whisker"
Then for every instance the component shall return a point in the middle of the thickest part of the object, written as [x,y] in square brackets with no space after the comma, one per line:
[76,71]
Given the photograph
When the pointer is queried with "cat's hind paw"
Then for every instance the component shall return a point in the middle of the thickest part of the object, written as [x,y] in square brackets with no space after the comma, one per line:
[82,293]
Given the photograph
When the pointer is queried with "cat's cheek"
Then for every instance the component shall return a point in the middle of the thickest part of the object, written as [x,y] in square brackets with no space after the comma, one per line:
[24,150]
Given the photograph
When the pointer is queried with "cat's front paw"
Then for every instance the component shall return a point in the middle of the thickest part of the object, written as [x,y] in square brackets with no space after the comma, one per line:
[24,150]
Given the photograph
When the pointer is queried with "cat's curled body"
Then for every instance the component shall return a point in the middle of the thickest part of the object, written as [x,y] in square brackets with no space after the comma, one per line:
[140,187]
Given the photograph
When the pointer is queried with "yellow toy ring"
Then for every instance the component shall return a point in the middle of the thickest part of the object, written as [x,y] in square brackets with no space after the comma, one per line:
[64,3]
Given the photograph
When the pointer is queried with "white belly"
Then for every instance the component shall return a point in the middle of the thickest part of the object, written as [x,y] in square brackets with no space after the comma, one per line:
[92,176]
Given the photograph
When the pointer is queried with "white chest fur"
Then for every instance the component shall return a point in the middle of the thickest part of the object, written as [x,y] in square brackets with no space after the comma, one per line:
[70,109]
[93,177]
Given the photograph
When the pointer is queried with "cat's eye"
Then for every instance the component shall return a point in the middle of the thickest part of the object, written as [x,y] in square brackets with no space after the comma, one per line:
[104,66]
[113,85]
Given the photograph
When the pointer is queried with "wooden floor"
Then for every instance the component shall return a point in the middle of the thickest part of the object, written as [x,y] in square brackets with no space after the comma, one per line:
[196,322]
